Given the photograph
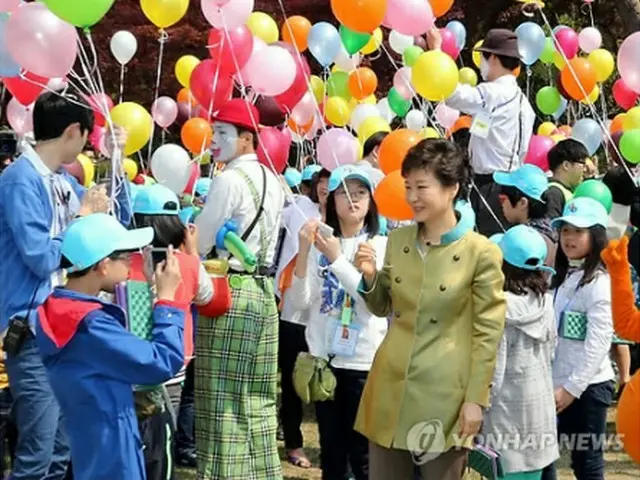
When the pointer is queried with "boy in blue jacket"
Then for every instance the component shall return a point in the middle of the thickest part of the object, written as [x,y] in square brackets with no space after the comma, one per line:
[92,360]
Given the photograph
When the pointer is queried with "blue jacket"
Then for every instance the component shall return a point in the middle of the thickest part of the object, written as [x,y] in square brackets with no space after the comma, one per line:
[93,362]
[29,255]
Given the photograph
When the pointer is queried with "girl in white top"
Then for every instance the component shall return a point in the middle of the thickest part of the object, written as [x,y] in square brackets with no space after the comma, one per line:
[340,327]
[582,372]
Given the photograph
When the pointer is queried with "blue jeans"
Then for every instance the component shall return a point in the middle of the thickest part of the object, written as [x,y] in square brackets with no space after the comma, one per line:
[43,451]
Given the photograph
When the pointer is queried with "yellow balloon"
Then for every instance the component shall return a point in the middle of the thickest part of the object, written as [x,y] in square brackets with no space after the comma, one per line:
[130,168]
[558,60]
[434,75]
[184,68]
[547,129]
[317,88]
[558,138]
[374,42]
[263,27]
[593,96]
[337,111]
[632,119]
[205,158]
[335,69]
[476,56]
[371,100]
[429,132]
[468,76]
[136,121]
[603,62]
[164,13]
[372,125]
[88,169]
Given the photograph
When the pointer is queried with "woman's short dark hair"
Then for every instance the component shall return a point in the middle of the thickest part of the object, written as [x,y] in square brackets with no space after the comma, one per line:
[167,229]
[372,142]
[592,263]
[537,209]
[371,220]
[53,114]
[444,159]
[520,281]
[324,173]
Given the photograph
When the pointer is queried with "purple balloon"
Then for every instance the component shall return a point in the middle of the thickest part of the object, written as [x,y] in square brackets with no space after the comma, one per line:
[337,147]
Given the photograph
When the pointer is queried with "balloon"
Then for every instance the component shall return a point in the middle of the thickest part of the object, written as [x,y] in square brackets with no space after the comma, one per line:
[565,130]
[318,88]
[295,31]
[88,15]
[548,100]
[305,109]
[440,7]
[597,191]
[95,137]
[170,166]
[627,422]
[8,66]
[9,5]
[390,197]
[632,119]
[130,168]
[462,123]
[273,149]
[361,113]
[476,56]
[164,111]
[26,89]
[136,121]
[300,86]
[88,169]
[360,15]
[399,42]
[194,175]
[623,95]
[196,135]
[337,111]
[398,104]
[263,27]
[588,132]
[410,55]
[39,41]
[449,43]
[415,120]
[617,125]
[402,83]
[337,147]
[630,146]
[370,126]
[546,129]
[374,42]
[429,132]
[628,65]
[460,33]
[603,62]
[531,42]
[468,76]
[100,103]
[338,85]
[164,13]
[20,118]
[231,49]
[435,75]
[563,107]
[324,43]
[244,75]
[346,62]
[353,41]
[385,110]
[123,46]
[546,56]
[579,78]
[567,42]
[211,90]
[184,96]
[362,83]
[590,39]
[394,148]
[538,152]
[446,116]
[229,15]
[185,67]
[558,61]
[271,113]
[410,17]
[593,96]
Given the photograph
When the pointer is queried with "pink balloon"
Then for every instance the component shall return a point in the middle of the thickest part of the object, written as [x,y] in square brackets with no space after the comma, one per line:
[449,43]
[244,75]
[231,50]
[273,71]
[300,85]
[40,41]
[273,148]
[20,117]
[95,137]
[230,14]
[628,64]
[590,39]
[623,95]
[303,112]
[164,111]
[9,5]
[567,41]
[402,83]
[195,174]
[538,152]
[337,147]
[410,17]
[100,103]
[446,116]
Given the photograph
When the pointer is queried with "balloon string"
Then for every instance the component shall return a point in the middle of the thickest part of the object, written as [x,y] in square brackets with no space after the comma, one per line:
[121,83]
[162,40]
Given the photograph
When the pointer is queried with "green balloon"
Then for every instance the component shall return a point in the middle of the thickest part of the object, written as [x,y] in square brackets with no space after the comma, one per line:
[353,41]
[398,104]
[411,54]
[87,15]
[338,85]
[630,146]
[597,191]
[548,100]
[547,53]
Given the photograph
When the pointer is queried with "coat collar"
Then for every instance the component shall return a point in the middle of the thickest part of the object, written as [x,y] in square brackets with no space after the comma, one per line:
[466,222]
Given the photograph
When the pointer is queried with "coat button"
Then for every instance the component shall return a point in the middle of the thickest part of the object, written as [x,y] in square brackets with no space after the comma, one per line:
[398,314]
[433,320]
[398,280]
[442,288]
[406,250]
[456,258]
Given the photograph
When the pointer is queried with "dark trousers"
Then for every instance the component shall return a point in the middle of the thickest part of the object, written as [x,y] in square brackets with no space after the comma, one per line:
[486,224]
[185,435]
[157,435]
[341,446]
[292,342]
[8,431]
[587,415]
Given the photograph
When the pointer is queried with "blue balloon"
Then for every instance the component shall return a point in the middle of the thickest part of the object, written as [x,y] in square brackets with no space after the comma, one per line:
[588,132]
[531,42]
[8,67]
[324,43]
[562,109]
[459,30]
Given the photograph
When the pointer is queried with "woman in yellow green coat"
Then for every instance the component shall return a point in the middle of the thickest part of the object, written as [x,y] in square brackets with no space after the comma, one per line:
[442,284]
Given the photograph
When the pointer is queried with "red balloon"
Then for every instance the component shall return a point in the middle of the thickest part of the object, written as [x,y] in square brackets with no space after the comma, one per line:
[623,95]
[27,89]
[230,52]
[95,137]
[449,44]
[97,103]
[195,174]
[75,170]
[211,89]
[299,88]
[273,148]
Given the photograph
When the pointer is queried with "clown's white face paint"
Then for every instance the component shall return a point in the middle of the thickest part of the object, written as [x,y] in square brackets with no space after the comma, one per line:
[225,142]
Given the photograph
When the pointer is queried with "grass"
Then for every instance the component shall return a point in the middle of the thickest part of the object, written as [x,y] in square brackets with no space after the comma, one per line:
[619,465]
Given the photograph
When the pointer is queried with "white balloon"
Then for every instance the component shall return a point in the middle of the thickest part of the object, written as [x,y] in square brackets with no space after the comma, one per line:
[416,120]
[385,110]
[345,62]
[282,68]
[170,165]
[57,83]
[361,113]
[123,46]
[400,42]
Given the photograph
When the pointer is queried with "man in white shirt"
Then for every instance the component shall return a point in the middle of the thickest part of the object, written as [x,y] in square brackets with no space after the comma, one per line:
[236,367]
[503,121]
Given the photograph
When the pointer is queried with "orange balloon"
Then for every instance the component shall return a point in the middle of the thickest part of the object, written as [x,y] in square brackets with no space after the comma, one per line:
[360,15]
[565,130]
[462,123]
[394,148]
[579,78]
[184,96]
[362,83]
[627,424]
[196,135]
[440,7]
[517,71]
[301,130]
[391,199]
[617,125]
[295,31]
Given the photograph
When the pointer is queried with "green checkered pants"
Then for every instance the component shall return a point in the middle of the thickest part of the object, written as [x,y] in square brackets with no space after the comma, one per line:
[236,386]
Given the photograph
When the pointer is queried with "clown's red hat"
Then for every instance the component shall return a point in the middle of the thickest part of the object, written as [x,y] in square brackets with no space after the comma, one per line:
[240,113]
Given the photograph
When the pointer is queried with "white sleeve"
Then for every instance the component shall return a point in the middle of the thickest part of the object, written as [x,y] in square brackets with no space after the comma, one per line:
[304,291]
[468,99]
[205,287]
[349,276]
[501,367]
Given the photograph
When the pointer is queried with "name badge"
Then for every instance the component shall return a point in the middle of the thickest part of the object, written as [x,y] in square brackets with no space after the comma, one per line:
[481,125]
[344,339]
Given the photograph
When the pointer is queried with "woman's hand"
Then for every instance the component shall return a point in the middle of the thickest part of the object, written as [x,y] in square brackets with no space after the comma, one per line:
[307,235]
[470,419]
[329,247]
[191,240]
[168,277]
[365,262]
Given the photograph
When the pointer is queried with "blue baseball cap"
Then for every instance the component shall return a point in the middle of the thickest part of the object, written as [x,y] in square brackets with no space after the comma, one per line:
[93,238]
[309,172]
[529,179]
[156,200]
[202,186]
[523,247]
[583,212]
[348,172]
[293,177]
